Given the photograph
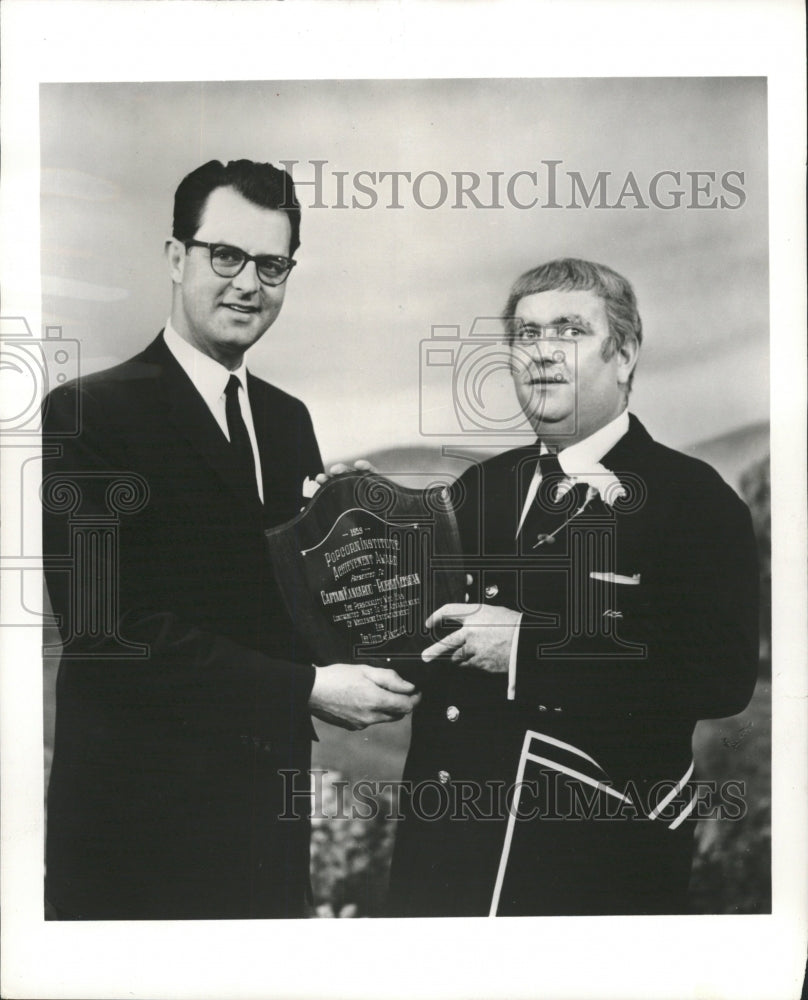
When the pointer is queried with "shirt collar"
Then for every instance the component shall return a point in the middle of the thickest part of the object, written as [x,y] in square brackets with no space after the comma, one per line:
[208,376]
[584,454]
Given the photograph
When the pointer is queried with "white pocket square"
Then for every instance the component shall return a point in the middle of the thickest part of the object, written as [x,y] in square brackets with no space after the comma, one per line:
[632,581]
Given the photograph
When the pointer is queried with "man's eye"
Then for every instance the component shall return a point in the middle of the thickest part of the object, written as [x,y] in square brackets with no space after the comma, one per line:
[269,266]
[228,255]
[529,333]
[570,330]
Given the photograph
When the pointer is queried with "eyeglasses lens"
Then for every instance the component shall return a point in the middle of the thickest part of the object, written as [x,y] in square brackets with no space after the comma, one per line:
[228,262]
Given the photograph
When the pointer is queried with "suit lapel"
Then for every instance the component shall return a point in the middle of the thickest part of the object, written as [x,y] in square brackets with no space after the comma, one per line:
[504,506]
[189,415]
[264,422]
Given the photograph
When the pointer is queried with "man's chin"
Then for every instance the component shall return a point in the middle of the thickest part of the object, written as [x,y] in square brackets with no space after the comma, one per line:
[544,414]
[244,329]
[552,426]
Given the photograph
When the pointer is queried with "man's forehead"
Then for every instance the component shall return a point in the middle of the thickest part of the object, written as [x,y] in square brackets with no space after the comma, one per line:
[229,217]
[558,304]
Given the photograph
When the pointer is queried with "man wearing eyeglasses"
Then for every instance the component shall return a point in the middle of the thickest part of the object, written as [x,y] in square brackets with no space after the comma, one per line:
[613,604]
[184,698]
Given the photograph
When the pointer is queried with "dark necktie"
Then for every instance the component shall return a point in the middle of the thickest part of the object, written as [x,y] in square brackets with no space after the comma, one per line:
[551,476]
[544,515]
[239,438]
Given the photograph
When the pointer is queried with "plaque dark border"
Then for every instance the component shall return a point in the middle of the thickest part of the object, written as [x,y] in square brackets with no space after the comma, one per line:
[364,564]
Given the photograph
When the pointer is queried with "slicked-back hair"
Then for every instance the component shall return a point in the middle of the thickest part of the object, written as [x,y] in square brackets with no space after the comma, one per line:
[570,274]
[261,183]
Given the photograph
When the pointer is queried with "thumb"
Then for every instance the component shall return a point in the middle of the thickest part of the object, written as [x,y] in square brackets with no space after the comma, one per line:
[388,679]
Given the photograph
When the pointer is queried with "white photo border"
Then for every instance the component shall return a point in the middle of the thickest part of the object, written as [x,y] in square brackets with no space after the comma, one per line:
[716,956]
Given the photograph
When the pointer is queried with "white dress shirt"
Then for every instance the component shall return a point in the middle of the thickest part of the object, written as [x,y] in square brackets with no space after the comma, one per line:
[210,380]
[573,460]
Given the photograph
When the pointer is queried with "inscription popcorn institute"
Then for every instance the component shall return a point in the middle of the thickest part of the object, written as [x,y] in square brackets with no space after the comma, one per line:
[378,601]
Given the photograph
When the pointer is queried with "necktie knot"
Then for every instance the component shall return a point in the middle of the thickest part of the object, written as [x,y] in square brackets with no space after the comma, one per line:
[551,477]
[549,466]
[231,389]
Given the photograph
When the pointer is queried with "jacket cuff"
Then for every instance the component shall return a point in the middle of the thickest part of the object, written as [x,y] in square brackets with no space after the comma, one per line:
[513,660]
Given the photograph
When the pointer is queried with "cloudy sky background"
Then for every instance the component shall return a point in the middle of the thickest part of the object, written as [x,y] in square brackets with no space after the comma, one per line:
[372,283]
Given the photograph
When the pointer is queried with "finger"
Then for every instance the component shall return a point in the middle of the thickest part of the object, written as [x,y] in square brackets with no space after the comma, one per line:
[388,679]
[446,613]
[321,478]
[338,469]
[444,646]
[394,706]
[364,466]
[469,579]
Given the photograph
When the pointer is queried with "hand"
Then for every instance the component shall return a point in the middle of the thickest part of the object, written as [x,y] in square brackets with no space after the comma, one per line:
[360,465]
[484,639]
[356,696]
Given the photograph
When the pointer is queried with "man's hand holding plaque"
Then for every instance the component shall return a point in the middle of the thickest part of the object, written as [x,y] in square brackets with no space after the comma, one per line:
[360,465]
[355,696]
[360,569]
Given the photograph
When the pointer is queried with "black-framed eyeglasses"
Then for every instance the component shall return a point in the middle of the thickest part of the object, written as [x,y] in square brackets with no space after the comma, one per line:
[228,261]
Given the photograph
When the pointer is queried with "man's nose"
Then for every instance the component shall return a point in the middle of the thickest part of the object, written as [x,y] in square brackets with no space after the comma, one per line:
[550,352]
[247,278]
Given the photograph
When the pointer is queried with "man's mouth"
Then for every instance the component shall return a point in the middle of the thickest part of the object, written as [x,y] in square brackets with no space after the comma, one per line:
[557,379]
[237,307]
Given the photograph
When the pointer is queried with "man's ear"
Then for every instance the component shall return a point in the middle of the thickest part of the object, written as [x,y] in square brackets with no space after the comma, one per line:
[627,356]
[175,255]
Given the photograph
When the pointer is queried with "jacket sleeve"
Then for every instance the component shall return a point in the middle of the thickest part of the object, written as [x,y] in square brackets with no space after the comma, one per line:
[145,658]
[695,617]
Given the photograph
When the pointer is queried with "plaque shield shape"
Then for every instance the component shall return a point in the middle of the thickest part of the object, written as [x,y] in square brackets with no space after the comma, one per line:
[364,564]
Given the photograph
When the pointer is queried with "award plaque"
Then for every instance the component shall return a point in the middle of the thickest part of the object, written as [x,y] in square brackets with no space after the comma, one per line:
[364,564]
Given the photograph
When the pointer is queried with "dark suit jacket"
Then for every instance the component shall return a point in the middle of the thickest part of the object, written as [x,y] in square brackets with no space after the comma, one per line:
[612,674]
[182,693]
